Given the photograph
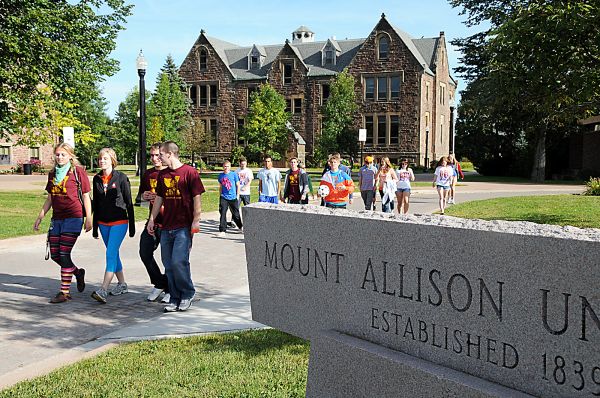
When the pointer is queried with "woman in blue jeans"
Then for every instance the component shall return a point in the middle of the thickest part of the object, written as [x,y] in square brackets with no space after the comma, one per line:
[113,215]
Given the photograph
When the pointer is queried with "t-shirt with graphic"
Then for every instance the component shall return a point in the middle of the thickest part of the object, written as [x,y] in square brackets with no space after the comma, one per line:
[177,188]
[269,179]
[294,185]
[404,178]
[367,177]
[246,176]
[340,187]
[443,175]
[148,183]
[228,187]
[65,200]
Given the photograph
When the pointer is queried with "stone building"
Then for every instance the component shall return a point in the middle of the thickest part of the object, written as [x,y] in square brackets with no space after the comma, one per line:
[403,88]
[12,155]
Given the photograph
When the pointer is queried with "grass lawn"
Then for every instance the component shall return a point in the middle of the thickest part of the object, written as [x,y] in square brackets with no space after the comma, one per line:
[575,210]
[265,363]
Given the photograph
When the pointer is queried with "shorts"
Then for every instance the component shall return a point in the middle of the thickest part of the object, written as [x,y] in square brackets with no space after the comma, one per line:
[403,190]
[444,187]
[268,199]
[72,225]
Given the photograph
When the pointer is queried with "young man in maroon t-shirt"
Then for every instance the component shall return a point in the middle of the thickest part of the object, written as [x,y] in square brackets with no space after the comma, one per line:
[295,188]
[178,191]
[149,243]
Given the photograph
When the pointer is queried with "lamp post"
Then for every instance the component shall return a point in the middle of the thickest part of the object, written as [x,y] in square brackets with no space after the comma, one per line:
[426,148]
[452,134]
[142,64]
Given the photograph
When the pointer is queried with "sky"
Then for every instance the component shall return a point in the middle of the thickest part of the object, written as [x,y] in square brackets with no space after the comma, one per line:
[163,27]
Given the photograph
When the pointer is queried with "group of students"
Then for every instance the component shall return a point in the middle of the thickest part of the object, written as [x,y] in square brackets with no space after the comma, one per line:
[173,190]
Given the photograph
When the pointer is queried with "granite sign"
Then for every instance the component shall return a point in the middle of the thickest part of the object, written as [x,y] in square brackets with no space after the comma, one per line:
[474,308]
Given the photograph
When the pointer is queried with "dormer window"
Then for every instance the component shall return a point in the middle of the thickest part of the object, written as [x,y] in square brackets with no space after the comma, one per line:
[328,57]
[256,57]
[383,47]
[254,62]
[202,59]
[329,52]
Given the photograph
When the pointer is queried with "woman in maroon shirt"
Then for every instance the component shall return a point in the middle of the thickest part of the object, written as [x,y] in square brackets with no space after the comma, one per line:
[65,183]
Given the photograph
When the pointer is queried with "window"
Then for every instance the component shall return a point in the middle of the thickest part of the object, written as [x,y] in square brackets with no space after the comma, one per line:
[203,55]
[297,105]
[209,94]
[251,90]
[34,152]
[381,130]
[328,57]
[370,88]
[287,73]
[395,87]
[426,119]
[254,62]
[369,127]
[442,123]
[384,45]
[427,91]
[4,155]
[382,89]
[214,130]
[194,95]
[394,129]
[288,105]
[239,131]
[442,93]
[324,92]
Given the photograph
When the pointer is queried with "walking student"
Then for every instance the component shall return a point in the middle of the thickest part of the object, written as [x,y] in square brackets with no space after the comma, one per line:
[246,177]
[68,190]
[149,243]
[386,178]
[229,197]
[442,178]
[178,189]
[405,176]
[113,215]
[366,183]
[336,186]
[456,172]
[295,188]
[269,182]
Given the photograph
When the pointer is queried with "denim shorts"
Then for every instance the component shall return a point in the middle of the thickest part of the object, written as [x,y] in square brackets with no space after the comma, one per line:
[444,187]
[403,190]
[268,199]
[72,225]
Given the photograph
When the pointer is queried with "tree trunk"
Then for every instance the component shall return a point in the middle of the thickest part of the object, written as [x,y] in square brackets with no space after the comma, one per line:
[538,173]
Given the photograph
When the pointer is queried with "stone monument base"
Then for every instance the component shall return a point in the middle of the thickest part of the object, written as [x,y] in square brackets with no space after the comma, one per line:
[344,366]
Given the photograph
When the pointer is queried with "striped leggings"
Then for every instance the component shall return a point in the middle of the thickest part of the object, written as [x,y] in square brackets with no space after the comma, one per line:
[60,251]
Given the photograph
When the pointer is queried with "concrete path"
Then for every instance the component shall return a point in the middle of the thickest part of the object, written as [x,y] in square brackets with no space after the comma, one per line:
[36,337]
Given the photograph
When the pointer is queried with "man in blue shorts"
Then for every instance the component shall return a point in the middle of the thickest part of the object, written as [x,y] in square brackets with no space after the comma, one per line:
[269,182]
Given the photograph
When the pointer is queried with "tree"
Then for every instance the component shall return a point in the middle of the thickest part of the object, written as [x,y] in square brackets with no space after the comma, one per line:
[196,138]
[123,137]
[169,111]
[338,134]
[53,52]
[265,128]
[538,56]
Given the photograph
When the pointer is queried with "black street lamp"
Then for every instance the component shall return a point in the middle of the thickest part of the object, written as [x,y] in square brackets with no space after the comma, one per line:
[426,148]
[142,64]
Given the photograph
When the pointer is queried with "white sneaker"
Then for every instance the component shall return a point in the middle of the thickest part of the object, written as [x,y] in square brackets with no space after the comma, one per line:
[170,308]
[185,304]
[221,234]
[120,288]
[450,201]
[166,298]
[154,294]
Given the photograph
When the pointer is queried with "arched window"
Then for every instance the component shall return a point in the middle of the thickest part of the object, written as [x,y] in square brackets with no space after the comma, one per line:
[383,47]
[202,55]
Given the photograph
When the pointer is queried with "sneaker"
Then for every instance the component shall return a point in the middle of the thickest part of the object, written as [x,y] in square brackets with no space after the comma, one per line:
[80,277]
[221,234]
[120,288]
[185,304]
[166,298]
[450,201]
[60,298]
[171,307]
[154,294]
[100,295]
[241,230]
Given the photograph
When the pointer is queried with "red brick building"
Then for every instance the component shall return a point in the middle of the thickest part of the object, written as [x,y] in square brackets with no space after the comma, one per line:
[403,88]
[11,155]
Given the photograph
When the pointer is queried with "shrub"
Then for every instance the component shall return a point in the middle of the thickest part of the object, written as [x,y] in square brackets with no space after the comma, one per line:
[593,187]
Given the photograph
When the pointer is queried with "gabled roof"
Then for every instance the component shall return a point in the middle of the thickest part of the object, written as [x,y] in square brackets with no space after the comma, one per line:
[426,46]
[220,47]
[334,44]
[295,50]
[408,41]
[259,49]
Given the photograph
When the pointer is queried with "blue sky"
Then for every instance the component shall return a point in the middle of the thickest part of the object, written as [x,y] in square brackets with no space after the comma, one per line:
[163,27]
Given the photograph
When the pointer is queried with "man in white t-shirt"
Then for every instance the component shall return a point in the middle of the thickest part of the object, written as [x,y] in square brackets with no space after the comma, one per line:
[246,177]
[269,182]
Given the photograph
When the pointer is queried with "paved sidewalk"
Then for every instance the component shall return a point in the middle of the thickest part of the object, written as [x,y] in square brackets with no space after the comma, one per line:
[38,337]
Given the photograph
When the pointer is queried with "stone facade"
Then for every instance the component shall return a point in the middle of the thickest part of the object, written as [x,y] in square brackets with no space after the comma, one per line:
[12,155]
[403,88]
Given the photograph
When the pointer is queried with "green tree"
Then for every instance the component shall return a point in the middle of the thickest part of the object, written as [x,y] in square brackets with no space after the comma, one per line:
[539,57]
[169,112]
[123,136]
[196,139]
[265,128]
[53,53]
[338,134]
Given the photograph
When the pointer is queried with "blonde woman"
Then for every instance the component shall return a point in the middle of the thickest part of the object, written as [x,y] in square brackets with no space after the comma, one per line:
[68,190]
[113,214]
[457,172]
[442,179]
[386,179]
[405,176]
